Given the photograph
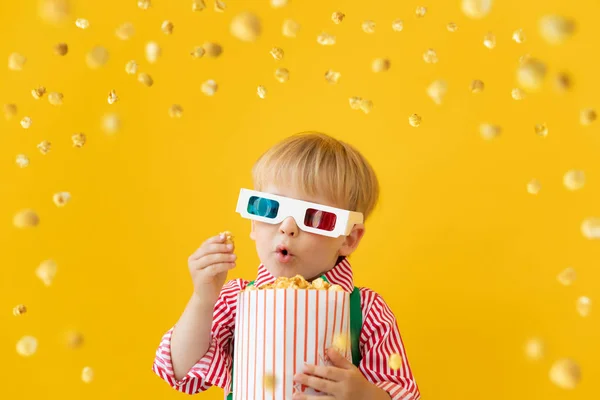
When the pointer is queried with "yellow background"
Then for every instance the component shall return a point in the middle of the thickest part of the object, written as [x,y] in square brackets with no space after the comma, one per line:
[465,257]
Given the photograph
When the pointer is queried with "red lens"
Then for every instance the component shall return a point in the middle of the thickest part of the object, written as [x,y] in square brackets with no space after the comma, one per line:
[319,219]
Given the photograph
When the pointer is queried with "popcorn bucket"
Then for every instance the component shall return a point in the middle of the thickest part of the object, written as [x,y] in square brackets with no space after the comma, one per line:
[277,331]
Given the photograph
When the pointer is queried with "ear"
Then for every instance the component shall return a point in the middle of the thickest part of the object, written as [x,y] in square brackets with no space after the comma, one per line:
[352,240]
[252,232]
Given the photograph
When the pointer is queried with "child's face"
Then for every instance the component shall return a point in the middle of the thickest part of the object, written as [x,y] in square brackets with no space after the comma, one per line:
[311,254]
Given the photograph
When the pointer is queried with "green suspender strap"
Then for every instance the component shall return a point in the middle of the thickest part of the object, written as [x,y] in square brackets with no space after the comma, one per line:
[355,329]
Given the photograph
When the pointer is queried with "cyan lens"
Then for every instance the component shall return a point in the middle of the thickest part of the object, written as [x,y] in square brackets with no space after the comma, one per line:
[262,207]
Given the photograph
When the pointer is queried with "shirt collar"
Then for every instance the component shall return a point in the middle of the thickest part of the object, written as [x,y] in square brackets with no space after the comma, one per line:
[341,275]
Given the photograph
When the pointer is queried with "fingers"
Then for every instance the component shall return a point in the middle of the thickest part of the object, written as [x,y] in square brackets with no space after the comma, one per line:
[211,259]
[327,372]
[215,269]
[314,382]
[215,244]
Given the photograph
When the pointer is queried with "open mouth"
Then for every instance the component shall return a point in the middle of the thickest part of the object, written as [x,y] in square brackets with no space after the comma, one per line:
[283,254]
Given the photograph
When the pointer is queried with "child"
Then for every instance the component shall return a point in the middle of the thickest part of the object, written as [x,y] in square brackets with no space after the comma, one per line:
[312,167]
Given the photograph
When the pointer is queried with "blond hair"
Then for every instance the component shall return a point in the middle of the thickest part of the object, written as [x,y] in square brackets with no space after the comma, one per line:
[318,163]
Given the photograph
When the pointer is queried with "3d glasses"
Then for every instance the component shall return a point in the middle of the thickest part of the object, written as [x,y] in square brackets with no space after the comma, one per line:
[310,217]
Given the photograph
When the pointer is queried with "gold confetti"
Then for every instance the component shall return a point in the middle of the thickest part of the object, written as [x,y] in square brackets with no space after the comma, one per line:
[337,17]
[518,36]
[111,123]
[452,27]
[26,122]
[220,6]
[16,61]
[44,147]
[366,105]
[27,346]
[477,86]
[437,90]
[198,52]
[269,381]
[145,79]
[534,186]
[534,349]
[489,131]
[355,102]
[53,11]
[22,161]
[55,98]
[261,91]
[175,111]
[590,227]
[144,4]
[430,56]
[562,82]
[397,25]
[167,27]
[61,199]
[584,306]
[38,93]
[125,31]
[565,373]
[61,49]
[567,276]
[332,76]
[380,65]
[395,362]
[82,23]
[246,26]
[279,3]
[212,49]
[10,111]
[368,26]
[198,5]
[420,11]
[326,39]
[46,271]
[489,40]
[517,94]
[276,53]
[19,310]
[574,179]
[414,120]
[531,74]
[112,97]
[97,57]
[587,116]
[87,374]
[541,130]
[26,219]
[78,140]
[209,87]
[131,67]
[476,9]
[73,339]
[556,29]
[282,74]
[153,52]
[290,28]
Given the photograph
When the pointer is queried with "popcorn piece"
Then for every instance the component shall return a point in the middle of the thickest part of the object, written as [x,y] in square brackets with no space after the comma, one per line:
[246,27]
[562,82]
[220,6]
[131,67]
[336,288]
[430,56]
[198,5]
[87,374]
[53,11]
[534,186]
[125,31]
[153,52]
[574,179]
[111,123]
[489,131]
[78,140]
[368,26]
[355,102]
[397,25]
[541,130]
[61,49]
[395,362]
[44,147]
[517,94]
[228,237]
[55,98]
[518,36]
[26,122]
[380,65]
[212,49]
[19,310]
[530,74]
[112,97]
[332,77]
[534,349]
[584,306]
[587,116]
[27,346]
[277,53]
[261,91]
[198,52]
[209,87]
[269,382]
[556,29]
[22,161]
[145,79]
[46,272]
[414,120]
[82,23]
[73,339]
[476,9]
[452,27]
[38,93]
[565,373]
[10,111]
[326,39]
[590,227]
[279,3]
[61,199]
[175,111]
[26,219]
[366,106]
[144,4]
[420,11]
[290,28]
[319,283]
[167,27]
[297,282]
[477,86]
[97,57]
[16,61]
[282,74]
[437,90]
[567,276]
[489,40]
[337,17]
[340,343]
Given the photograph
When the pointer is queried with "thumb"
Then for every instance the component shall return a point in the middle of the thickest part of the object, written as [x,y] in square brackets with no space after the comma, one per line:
[338,360]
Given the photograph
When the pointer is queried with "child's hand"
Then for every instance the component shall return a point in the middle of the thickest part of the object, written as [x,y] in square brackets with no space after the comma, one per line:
[209,265]
[343,381]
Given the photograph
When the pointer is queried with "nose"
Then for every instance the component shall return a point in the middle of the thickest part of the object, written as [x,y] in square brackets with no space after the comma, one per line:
[289,227]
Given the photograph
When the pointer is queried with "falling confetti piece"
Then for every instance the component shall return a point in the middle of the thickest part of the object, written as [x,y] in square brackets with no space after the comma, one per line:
[144,4]
[61,49]
[44,147]
[430,56]
[489,40]
[145,79]
[212,49]
[167,27]
[477,86]
[198,52]
[22,161]
[209,87]
[517,94]
[368,26]
[518,36]
[282,74]
[397,25]
[131,67]
[26,219]
[337,17]
[125,31]
[279,3]
[420,11]
[437,90]
[290,28]
[16,61]
[26,122]
[555,29]
[587,116]
[73,339]
[395,362]
[153,52]
[78,140]
[246,27]
[175,111]
[325,39]
[10,111]
[541,130]
[584,306]
[111,123]
[452,27]
[414,120]
[340,343]
[55,98]
[46,271]
[53,11]
[97,57]
[489,131]
[87,374]
[269,382]
[276,53]
[567,276]
[534,186]
[332,76]
[574,179]
[27,346]
[565,373]
[261,91]
[534,349]
[476,9]
[380,65]
[20,309]
[198,5]
[531,74]
[220,6]
[590,227]
[61,199]
[112,97]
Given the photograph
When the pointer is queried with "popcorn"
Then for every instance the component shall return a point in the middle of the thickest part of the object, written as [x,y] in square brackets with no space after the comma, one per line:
[574,179]
[326,39]
[175,111]
[517,94]
[87,374]
[61,199]
[261,91]
[567,276]
[16,61]
[38,93]
[144,4]
[277,53]
[452,27]
[220,6]
[246,27]
[27,346]
[10,110]
[340,343]
[477,86]
[518,36]
[198,52]
[476,9]
[565,373]
[395,362]
[562,82]
[530,74]
[125,31]
[212,49]
[587,116]
[584,306]
[209,87]
[397,25]
[22,161]
[153,52]
[534,186]
[228,237]
[26,122]
[55,98]
[145,79]
[590,228]
[332,76]
[380,65]
[489,40]
[297,282]
[337,17]
[112,97]
[167,27]
[73,339]
[420,11]
[26,219]
[368,26]
[198,5]
[534,349]
[131,67]
[489,131]
[414,120]
[78,140]
[269,381]
[19,310]
[46,272]
[282,74]
[437,90]
[555,29]
[110,123]
[82,23]
[366,105]
[355,102]
[541,130]
[290,28]
[97,57]
[278,3]
[430,56]
[53,11]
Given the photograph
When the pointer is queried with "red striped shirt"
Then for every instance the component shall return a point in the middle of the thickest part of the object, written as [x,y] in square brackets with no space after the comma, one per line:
[379,339]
